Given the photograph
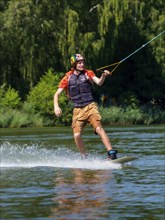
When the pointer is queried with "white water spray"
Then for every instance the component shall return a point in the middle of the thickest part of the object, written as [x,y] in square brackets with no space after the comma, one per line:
[14,155]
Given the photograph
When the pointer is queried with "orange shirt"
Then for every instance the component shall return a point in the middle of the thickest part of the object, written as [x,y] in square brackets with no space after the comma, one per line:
[64,82]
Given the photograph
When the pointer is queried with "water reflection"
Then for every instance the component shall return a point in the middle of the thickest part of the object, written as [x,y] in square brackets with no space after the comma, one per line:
[83,190]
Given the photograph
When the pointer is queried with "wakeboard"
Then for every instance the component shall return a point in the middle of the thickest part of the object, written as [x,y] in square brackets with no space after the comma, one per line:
[123,160]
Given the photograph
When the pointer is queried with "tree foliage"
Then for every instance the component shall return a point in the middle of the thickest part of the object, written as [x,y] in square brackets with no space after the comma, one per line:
[40,98]
[9,98]
[37,35]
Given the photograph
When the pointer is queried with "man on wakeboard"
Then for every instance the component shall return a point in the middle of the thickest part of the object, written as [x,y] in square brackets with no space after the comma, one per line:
[78,82]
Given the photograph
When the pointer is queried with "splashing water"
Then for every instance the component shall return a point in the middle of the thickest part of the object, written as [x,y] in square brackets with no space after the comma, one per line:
[35,155]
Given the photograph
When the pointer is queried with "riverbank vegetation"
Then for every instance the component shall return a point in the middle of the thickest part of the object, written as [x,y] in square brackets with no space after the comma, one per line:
[38,38]
[37,110]
[16,118]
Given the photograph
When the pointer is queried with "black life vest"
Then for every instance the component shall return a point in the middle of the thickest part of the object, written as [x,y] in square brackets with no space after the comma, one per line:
[80,90]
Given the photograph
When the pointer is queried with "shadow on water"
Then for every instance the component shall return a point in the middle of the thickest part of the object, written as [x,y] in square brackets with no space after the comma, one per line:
[43,176]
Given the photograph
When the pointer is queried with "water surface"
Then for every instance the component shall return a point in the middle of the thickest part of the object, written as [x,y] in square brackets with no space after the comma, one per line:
[44,177]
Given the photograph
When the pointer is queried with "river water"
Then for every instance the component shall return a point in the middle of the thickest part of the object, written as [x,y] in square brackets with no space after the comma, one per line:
[44,177]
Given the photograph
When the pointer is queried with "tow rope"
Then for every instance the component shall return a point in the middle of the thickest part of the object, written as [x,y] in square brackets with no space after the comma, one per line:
[121,61]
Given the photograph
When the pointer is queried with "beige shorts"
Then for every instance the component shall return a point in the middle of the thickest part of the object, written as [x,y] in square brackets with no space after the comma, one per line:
[82,116]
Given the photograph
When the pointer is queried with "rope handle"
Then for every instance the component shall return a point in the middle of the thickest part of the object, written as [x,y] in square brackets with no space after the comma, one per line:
[118,63]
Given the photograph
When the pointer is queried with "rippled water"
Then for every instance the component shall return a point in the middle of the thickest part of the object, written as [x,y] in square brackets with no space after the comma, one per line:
[44,177]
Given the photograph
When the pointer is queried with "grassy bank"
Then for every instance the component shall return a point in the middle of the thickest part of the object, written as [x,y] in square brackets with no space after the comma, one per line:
[130,116]
[110,116]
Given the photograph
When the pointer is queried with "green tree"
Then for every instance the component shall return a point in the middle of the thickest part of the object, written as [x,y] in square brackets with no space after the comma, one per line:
[41,98]
[38,35]
[10,99]
[29,42]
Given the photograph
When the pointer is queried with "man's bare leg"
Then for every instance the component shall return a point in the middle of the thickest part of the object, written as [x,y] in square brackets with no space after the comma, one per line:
[111,153]
[79,143]
[100,131]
